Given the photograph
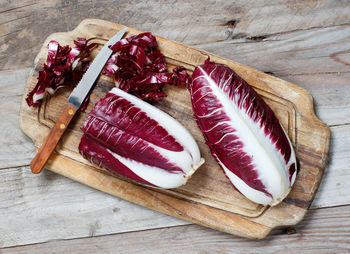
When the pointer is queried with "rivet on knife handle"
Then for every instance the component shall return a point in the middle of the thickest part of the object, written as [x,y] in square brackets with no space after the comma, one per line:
[52,139]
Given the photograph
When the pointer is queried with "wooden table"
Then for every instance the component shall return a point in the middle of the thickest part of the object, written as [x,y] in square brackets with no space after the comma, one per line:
[305,42]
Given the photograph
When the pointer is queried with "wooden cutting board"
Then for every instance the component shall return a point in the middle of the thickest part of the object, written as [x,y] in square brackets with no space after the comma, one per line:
[208,198]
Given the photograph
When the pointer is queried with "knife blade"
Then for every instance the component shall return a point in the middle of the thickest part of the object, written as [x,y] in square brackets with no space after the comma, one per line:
[75,100]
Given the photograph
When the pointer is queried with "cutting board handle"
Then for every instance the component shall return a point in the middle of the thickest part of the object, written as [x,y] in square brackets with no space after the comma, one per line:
[50,142]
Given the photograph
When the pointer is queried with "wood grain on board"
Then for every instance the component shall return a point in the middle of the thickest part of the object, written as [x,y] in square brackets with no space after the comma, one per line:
[201,200]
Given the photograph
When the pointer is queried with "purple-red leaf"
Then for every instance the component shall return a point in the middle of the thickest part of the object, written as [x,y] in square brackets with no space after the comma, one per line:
[181,77]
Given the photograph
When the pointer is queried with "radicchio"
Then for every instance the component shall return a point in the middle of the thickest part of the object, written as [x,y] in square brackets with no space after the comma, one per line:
[134,139]
[243,134]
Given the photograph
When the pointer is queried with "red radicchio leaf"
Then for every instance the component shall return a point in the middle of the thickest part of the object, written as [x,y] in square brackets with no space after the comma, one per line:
[64,67]
[111,66]
[181,77]
[156,60]
[144,40]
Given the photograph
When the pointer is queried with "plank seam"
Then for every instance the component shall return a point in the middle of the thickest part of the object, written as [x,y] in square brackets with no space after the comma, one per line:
[102,235]
[19,7]
[250,39]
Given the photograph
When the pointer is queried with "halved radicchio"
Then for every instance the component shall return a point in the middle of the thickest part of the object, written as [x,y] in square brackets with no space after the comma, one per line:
[243,134]
[134,139]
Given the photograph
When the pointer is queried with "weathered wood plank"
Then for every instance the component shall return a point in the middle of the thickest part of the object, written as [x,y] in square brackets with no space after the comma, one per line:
[39,208]
[16,149]
[329,91]
[317,60]
[318,50]
[24,24]
[334,188]
[324,230]
[9,6]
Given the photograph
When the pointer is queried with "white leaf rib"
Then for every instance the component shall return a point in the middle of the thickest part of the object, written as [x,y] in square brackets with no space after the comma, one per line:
[204,95]
[216,125]
[222,138]
[210,114]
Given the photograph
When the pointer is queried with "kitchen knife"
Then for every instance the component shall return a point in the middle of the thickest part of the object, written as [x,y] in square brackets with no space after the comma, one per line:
[75,100]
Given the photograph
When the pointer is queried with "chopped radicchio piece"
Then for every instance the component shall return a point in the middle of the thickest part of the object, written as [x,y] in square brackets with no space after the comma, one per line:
[181,77]
[64,67]
[140,68]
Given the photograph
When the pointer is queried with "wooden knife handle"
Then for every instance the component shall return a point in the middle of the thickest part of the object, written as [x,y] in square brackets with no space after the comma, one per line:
[46,149]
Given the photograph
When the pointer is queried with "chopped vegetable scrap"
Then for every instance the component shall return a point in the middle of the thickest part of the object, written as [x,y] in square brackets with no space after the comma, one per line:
[64,67]
[140,69]
[137,66]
